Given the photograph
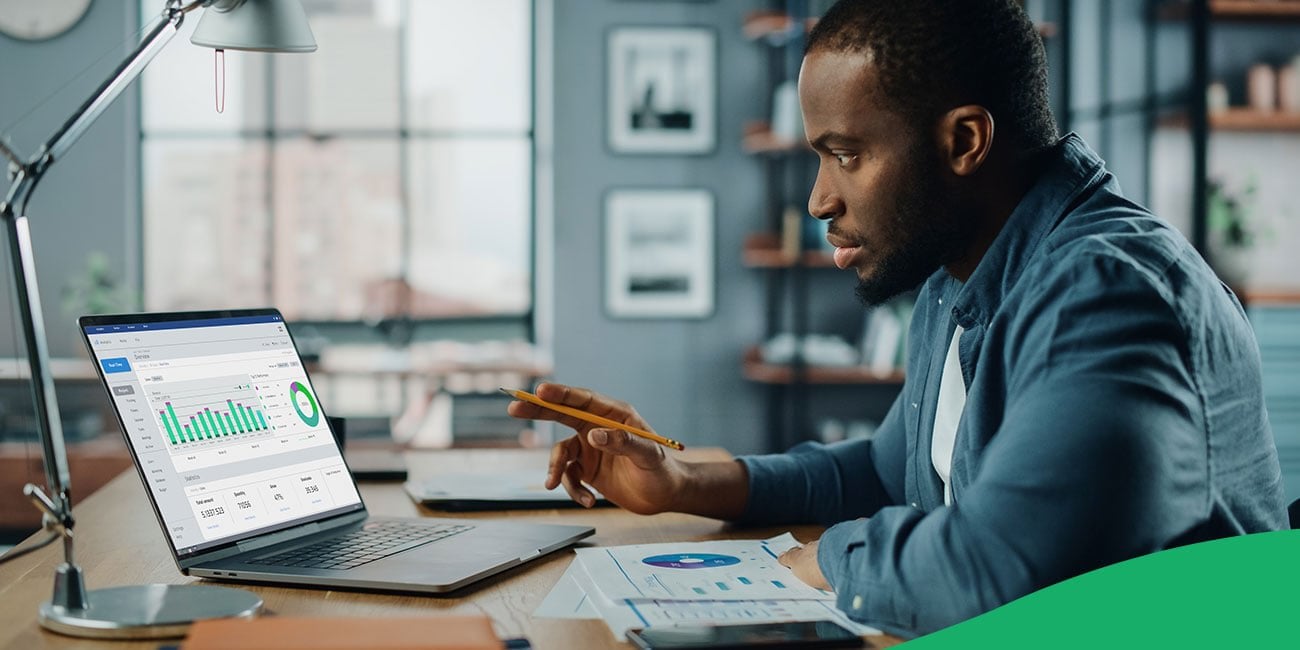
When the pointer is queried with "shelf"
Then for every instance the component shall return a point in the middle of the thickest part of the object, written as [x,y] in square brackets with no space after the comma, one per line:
[759,139]
[1271,296]
[1238,10]
[1242,119]
[763,251]
[755,370]
[776,27]
[772,26]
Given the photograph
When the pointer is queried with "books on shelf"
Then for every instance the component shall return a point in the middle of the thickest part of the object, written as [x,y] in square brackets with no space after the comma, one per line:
[884,337]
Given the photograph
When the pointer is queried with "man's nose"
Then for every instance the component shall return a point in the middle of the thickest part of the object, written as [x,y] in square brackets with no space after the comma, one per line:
[823,202]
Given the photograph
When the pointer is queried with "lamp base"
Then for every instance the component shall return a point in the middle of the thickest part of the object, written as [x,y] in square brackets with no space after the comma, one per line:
[148,611]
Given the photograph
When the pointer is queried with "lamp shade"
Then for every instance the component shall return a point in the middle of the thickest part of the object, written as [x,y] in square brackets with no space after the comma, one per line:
[256,25]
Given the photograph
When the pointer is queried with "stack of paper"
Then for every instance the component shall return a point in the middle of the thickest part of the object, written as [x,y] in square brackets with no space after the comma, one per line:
[699,583]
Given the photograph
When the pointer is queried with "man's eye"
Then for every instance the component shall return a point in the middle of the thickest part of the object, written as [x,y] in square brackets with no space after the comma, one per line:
[844,158]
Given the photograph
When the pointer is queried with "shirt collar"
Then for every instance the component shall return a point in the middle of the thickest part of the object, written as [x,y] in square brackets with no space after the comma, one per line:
[1069,168]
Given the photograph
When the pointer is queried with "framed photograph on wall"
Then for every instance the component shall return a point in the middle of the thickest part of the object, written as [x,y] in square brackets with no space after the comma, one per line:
[659,253]
[662,90]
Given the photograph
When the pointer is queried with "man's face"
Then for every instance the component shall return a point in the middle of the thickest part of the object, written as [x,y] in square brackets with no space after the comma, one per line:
[893,212]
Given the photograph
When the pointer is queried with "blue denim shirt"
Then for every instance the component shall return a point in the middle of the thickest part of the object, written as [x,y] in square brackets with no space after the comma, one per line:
[1114,408]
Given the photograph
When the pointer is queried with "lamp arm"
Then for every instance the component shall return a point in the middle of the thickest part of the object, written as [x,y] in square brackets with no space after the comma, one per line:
[24,177]
[157,37]
[14,161]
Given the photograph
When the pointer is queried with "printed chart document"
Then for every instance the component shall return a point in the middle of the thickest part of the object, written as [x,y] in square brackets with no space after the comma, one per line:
[710,583]
[722,570]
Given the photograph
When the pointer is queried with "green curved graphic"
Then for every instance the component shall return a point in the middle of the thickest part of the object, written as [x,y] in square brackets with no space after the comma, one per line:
[1238,592]
[311,419]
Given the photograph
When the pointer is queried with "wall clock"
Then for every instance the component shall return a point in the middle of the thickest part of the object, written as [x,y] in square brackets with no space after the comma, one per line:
[37,20]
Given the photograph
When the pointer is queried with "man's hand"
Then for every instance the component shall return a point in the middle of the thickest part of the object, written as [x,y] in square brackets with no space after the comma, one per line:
[635,473]
[802,560]
[631,471]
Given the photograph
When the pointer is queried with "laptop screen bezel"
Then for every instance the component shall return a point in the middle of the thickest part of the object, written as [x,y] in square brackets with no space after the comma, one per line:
[320,519]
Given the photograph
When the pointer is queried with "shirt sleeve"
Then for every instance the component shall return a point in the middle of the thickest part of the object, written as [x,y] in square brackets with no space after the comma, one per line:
[1101,456]
[828,483]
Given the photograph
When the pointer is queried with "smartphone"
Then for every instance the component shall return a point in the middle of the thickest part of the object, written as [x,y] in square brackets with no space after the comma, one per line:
[802,634]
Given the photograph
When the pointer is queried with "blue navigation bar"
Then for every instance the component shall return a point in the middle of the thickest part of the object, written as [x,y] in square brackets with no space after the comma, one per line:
[181,324]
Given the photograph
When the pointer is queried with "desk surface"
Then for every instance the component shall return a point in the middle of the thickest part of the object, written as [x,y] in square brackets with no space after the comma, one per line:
[119,543]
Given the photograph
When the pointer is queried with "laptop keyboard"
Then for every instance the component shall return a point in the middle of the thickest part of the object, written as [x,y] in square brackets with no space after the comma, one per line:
[372,542]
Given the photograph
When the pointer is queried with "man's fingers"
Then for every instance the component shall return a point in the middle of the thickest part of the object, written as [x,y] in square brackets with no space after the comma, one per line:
[563,452]
[643,453]
[573,485]
[585,399]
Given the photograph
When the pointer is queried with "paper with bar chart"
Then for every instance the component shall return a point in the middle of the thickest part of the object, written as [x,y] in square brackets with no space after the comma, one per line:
[722,570]
[689,583]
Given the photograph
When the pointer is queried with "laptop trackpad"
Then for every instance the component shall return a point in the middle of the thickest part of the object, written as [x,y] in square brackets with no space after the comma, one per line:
[440,564]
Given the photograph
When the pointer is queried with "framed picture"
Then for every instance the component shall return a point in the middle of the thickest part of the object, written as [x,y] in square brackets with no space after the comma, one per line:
[662,90]
[659,253]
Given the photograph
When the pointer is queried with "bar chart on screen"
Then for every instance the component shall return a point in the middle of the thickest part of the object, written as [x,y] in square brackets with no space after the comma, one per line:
[207,410]
[234,417]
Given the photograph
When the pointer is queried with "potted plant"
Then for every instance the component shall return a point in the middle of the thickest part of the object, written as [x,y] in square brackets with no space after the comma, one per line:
[1229,217]
[96,290]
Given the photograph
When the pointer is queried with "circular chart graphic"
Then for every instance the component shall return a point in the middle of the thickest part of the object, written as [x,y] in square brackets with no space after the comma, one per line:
[691,560]
[304,404]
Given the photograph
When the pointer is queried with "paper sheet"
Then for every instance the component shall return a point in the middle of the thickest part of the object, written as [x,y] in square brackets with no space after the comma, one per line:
[567,599]
[577,595]
[658,613]
[718,570]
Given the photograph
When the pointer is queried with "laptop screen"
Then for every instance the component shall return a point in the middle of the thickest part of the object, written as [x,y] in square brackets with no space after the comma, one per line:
[224,425]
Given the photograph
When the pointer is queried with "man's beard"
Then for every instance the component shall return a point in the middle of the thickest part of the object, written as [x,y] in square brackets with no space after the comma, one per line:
[927,230]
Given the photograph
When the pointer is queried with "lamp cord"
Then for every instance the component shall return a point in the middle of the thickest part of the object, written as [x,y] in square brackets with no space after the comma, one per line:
[19,552]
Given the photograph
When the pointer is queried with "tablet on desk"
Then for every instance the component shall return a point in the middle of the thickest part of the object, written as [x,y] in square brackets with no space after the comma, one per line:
[490,492]
[376,464]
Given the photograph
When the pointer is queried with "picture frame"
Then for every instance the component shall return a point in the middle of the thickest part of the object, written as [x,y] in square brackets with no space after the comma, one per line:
[659,253]
[662,90]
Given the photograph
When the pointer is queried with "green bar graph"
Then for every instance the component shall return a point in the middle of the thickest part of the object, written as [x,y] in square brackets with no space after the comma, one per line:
[235,419]
[176,423]
[208,424]
[168,423]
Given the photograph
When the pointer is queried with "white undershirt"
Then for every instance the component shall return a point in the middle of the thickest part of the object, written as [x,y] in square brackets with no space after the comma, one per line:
[952,399]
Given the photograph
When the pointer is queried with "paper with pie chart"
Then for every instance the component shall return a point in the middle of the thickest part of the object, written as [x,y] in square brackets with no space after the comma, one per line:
[717,570]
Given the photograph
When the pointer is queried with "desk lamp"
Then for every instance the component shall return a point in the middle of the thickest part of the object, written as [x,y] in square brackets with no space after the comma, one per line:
[144,611]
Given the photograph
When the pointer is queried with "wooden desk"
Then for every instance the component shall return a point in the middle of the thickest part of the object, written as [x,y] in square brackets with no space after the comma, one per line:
[119,543]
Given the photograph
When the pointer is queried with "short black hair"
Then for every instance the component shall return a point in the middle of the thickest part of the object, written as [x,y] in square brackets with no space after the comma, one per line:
[934,55]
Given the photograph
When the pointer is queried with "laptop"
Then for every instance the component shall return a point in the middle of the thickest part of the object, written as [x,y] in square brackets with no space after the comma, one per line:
[248,483]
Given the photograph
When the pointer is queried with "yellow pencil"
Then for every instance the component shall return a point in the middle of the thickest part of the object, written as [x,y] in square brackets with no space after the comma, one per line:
[592,418]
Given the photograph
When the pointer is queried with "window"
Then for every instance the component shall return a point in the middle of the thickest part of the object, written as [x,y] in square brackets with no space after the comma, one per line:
[387,174]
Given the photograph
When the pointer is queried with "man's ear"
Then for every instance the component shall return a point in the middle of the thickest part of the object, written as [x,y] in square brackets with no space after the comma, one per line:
[965,138]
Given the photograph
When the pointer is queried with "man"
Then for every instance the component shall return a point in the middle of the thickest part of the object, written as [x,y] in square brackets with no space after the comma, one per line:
[1081,388]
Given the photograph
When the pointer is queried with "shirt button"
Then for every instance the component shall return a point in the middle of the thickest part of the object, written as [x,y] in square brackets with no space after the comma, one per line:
[857,602]
[941,301]
[915,405]
[914,505]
